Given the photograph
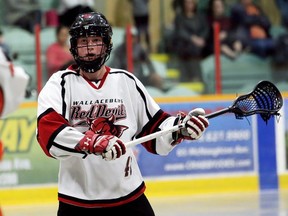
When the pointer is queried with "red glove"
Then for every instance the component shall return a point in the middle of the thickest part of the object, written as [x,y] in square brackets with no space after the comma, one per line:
[194,126]
[109,146]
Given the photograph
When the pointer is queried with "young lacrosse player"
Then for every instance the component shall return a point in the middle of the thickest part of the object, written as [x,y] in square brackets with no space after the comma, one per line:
[87,112]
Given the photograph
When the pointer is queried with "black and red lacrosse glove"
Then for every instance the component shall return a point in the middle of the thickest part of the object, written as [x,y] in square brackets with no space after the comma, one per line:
[195,125]
[109,146]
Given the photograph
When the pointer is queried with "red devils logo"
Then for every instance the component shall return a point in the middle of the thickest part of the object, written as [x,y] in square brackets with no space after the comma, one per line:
[106,126]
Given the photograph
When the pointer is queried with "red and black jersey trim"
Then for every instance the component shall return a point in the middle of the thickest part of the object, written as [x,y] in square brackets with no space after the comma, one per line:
[63,90]
[103,203]
[101,80]
[49,125]
[151,127]
[138,89]
[154,121]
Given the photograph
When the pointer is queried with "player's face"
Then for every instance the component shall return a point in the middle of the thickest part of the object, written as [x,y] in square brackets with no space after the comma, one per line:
[90,48]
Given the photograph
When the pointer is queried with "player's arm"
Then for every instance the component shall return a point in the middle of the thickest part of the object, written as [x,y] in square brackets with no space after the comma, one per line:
[59,139]
[195,125]
[56,137]
[155,119]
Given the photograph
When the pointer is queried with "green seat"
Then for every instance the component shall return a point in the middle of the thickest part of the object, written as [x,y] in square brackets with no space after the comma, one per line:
[19,40]
[282,86]
[180,91]
[154,92]
[47,37]
[277,30]
[247,69]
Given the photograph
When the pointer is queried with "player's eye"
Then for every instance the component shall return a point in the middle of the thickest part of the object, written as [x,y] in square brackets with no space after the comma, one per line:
[83,41]
[97,41]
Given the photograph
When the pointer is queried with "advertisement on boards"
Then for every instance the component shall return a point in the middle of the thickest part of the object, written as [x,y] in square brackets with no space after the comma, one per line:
[228,146]
[23,162]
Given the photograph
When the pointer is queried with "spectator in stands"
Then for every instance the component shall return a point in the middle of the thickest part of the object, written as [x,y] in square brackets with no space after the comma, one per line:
[279,59]
[190,34]
[253,27]
[23,13]
[230,45]
[58,54]
[141,20]
[141,60]
[201,6]
[69,9]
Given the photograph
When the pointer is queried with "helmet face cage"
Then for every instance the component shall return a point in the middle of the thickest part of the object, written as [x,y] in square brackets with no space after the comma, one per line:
[91,24]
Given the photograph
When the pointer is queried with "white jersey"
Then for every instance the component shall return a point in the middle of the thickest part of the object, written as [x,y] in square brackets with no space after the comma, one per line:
[69,105]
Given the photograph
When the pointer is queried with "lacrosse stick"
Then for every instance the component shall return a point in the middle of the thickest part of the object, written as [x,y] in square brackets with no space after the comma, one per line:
[265,99]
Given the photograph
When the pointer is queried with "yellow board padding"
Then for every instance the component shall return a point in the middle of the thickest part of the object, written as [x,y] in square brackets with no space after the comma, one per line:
[283,181]
[202,186]
[28,104]
[29,195]
[155,188]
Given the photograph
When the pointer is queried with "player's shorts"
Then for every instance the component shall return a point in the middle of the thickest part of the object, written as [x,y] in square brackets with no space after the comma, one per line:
[139,207]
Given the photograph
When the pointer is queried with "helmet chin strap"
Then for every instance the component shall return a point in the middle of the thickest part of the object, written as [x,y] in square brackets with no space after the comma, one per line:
[93,65]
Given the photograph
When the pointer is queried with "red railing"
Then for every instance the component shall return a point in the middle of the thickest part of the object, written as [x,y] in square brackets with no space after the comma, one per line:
[129,48]
[37,31]
[217,54]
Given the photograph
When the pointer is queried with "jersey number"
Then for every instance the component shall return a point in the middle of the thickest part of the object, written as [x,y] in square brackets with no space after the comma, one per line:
[128,168]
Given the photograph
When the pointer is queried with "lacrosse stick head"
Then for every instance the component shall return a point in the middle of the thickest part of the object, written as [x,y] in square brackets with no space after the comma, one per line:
[265,99]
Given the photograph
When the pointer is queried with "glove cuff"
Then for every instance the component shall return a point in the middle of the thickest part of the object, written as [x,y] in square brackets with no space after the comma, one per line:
[182,134]
[86,143]
[177,136]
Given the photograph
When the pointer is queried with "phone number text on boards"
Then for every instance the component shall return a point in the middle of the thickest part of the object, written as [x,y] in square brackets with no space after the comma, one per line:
[226,136]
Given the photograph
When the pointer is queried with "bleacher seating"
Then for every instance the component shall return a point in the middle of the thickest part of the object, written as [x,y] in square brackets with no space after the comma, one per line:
[19,40]
[155,92]
[246,70]
[282,86]
[22,43]
[47,37]
[180,91]
[117,39]
[277,30]
[47,5]
[238,76]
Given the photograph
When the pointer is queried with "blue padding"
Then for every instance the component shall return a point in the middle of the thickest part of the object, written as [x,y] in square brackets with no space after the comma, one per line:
[268,178]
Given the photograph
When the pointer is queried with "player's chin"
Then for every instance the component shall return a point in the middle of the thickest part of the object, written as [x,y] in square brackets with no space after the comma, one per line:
[89,58]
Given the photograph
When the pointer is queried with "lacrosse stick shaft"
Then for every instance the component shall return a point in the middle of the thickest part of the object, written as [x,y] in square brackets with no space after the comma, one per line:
[264,93]
[154,135]
[217,113]
[170,130]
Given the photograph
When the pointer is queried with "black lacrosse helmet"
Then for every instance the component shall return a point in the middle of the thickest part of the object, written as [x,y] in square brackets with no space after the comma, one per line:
[91,24]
